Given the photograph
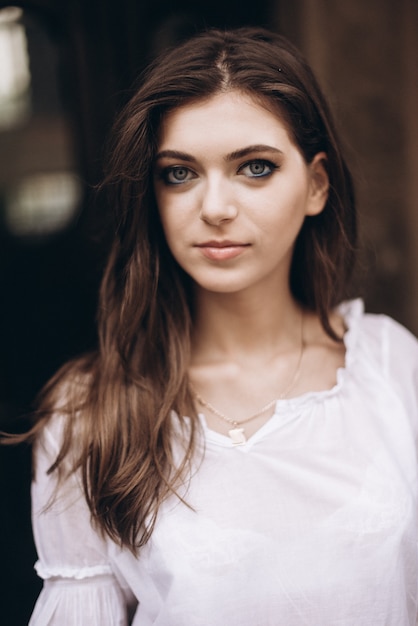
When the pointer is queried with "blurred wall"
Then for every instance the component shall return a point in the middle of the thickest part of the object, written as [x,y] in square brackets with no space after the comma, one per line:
[365,54]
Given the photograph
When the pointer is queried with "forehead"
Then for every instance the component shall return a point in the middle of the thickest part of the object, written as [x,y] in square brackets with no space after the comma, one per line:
[229,117]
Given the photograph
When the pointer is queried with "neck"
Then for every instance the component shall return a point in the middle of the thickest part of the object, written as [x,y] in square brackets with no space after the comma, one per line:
[238,324]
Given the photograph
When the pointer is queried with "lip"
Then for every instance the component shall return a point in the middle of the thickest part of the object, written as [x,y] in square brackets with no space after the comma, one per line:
[222,250]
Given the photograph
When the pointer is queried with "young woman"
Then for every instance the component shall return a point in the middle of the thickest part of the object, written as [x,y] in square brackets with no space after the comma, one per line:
[241,449]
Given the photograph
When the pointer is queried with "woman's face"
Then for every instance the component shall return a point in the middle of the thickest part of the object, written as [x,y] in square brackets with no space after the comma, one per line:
[233,191]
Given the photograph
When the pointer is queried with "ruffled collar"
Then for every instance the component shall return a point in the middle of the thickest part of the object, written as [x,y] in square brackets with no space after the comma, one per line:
[352,311]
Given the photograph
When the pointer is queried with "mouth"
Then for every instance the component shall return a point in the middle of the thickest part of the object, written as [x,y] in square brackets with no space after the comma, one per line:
[222,250]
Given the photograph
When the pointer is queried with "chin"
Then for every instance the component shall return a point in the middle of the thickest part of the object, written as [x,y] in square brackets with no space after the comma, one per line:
[222,287]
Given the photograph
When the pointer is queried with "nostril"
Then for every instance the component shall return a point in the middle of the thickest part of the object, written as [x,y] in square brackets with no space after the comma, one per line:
[217,212]
[217,217]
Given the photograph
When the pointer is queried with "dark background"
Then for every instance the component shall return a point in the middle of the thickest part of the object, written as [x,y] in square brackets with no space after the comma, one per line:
[84,57]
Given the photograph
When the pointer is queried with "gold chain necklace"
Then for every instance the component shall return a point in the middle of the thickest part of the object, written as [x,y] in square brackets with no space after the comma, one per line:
[237,433]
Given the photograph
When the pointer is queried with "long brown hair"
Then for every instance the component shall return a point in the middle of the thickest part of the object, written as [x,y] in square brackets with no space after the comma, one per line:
[125,396]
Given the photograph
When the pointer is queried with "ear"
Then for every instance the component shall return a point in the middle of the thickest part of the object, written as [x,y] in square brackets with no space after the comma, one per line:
[319,184]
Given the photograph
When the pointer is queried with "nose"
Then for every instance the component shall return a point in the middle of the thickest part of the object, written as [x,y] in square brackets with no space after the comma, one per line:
[217,204]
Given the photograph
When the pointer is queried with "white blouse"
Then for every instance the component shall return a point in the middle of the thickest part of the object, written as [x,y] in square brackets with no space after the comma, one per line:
[312,522]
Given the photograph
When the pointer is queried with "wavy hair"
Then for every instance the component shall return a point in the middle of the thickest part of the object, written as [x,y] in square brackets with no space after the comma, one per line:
[124,396]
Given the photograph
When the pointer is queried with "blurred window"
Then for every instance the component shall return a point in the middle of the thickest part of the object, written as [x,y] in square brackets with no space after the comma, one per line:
[14,69]
[40,193]
[42,204]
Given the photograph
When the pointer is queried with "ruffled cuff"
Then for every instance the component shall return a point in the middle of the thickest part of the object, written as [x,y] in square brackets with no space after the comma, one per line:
[47,572]
[93,600]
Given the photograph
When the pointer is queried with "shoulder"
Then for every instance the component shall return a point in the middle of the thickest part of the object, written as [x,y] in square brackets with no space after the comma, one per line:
[62,410]
[378,333]
[70,384]
[381,347]
[398,347]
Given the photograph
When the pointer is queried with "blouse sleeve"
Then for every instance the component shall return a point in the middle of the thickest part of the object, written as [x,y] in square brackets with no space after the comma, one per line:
[80,588]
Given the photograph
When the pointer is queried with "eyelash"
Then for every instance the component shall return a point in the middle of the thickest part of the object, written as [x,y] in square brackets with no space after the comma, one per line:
[167,171]
[271,166]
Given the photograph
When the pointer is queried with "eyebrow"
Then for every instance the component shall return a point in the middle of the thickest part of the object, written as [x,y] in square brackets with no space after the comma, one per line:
[243,152]
[233,156]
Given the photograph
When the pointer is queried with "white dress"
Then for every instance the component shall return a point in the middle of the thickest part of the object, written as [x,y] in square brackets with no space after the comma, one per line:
[312,521]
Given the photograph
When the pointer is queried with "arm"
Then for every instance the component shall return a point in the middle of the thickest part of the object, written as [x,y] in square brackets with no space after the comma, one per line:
[80,588]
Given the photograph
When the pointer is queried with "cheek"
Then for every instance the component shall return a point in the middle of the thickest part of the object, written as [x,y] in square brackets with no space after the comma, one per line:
[166,213]
[176,214]
[174,229]
[167,227]
[282,212]
[281,224]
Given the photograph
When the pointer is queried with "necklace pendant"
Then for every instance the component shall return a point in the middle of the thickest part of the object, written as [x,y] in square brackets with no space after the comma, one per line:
[237,435]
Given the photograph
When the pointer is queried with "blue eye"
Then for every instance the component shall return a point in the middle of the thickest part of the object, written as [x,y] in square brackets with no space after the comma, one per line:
[177,174]
[257,168]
